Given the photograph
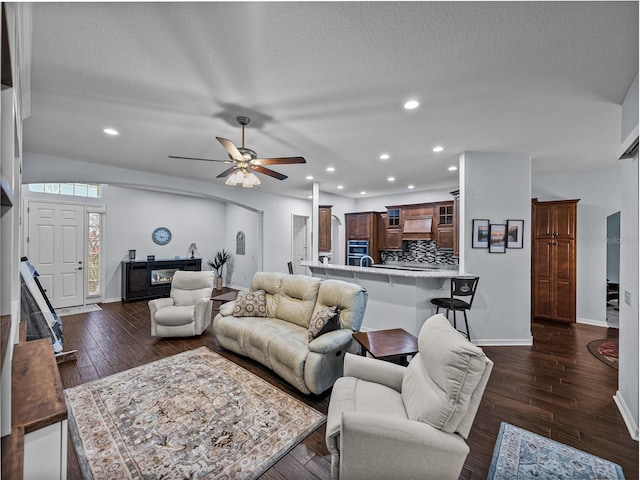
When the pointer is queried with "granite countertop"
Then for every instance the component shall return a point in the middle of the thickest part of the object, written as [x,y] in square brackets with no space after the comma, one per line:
[404,270]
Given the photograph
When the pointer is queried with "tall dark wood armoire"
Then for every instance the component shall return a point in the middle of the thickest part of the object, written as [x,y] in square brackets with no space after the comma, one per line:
[553,267]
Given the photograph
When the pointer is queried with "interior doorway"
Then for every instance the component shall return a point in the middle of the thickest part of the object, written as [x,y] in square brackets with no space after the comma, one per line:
[613,269]
[337,246]
[299,243]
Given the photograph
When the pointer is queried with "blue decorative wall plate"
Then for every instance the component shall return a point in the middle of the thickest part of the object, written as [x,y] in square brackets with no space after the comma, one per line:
[161,236]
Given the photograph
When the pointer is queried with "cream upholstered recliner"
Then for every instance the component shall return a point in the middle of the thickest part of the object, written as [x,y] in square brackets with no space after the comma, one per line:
[187,311]
[388,421]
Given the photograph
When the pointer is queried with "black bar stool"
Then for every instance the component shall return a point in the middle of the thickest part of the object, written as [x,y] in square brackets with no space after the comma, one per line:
[460,287]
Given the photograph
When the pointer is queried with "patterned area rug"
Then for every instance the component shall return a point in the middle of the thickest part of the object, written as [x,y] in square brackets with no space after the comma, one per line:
[76,310]
[192,415]
[605,350]
[523,455]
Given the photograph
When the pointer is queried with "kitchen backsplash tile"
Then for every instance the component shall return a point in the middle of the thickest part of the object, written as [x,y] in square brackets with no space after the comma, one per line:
[420,251]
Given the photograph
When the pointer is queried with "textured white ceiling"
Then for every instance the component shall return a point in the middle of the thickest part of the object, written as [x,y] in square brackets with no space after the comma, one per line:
[327,80]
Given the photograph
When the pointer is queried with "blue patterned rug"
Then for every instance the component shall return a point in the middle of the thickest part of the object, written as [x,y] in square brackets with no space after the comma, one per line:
[522,455]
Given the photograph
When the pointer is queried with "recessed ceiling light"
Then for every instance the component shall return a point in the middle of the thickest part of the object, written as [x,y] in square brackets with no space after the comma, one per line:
[453,168]
[309,196]
[331,169]
[385,156]
[340,187]
[363,193]
[110,131]
[309,177]
[411,187]
[411,104]
[391,179]
[438,149]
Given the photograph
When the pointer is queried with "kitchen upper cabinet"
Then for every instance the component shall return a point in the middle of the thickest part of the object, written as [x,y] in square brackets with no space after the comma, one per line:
[324,228]
[445,224]
[555,219]
[382,231]
[389,237]
[393,235]
[554,260]
[360,226]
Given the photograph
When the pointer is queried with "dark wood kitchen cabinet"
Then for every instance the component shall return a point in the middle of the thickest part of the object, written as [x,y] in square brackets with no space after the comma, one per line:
[553,266]
[360,226]
[445,224]
[324,228]
[363,226]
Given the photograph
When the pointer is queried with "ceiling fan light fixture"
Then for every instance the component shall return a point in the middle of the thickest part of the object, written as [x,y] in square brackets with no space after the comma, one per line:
[233,179]
[250,180]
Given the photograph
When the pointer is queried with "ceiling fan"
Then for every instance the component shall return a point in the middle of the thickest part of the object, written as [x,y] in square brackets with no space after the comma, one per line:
[246,161]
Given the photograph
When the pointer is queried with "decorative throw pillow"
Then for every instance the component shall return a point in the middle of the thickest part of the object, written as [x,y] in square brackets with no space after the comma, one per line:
[251,304]
[325,320]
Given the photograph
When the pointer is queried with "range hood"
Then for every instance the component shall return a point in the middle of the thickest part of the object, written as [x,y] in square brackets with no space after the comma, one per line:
[417,225]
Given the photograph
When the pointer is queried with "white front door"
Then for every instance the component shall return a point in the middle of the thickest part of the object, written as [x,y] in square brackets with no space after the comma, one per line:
[55,247]
[299,244]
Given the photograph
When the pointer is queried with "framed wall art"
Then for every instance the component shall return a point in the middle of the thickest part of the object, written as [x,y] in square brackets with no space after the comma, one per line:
[480,231]
[497,238]
[240,243]
[515,233]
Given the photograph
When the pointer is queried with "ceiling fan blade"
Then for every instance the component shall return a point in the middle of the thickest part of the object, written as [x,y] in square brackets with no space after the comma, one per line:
[268,171]
[227,172]
[278,161]
[230,147]
[203,159]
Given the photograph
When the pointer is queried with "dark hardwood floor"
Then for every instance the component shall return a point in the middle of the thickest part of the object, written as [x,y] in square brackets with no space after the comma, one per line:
[555,388]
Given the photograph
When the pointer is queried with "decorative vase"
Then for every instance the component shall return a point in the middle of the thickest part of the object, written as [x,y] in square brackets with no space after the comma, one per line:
[218,283]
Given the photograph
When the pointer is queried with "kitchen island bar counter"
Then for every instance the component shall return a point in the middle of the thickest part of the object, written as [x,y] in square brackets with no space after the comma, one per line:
[403,270]
[398,298]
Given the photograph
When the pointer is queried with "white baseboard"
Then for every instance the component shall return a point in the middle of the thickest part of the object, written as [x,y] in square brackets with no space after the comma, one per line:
[629,421]
[589,321]
[506,342]
[112,300]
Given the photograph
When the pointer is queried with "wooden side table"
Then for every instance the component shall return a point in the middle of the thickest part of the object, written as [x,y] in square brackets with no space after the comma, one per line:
[392,344]
[223,298]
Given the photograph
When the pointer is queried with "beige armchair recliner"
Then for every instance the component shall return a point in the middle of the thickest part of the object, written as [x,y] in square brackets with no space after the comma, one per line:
[187,311]
[389,421]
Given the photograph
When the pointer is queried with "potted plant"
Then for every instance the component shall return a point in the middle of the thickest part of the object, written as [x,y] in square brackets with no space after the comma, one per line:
[222,257]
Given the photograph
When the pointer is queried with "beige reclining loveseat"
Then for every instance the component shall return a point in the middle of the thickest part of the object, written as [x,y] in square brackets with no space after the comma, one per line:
[280,339]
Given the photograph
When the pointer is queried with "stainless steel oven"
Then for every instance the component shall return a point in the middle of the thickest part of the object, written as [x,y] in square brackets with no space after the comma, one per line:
[356,249]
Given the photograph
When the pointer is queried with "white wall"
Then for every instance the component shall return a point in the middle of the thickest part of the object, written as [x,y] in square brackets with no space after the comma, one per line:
[627,395]
[132,215]
[247,221]
[277,209]
[378,204]
[497,186]
[599,194]
[630,110]
[339,206]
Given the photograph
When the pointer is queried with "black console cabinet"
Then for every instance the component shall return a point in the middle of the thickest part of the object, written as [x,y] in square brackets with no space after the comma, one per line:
[144,280]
